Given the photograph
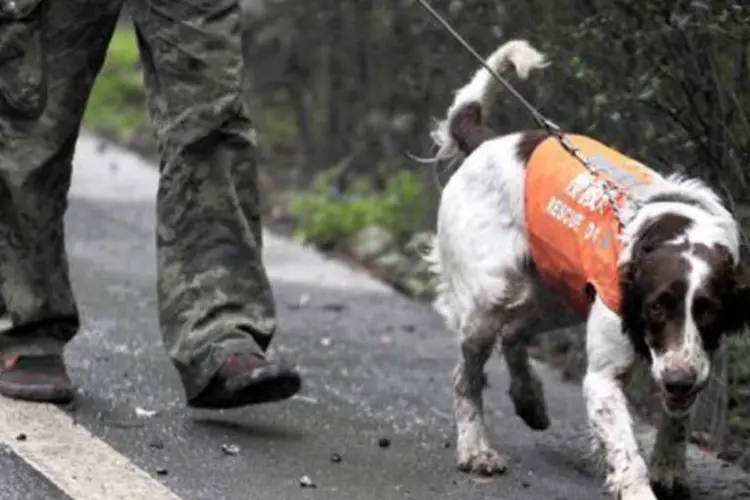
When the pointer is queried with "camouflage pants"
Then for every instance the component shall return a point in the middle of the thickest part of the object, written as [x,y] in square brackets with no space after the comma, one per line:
[214,296]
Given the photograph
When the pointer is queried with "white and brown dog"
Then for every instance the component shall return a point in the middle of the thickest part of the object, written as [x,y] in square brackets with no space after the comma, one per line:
[667,285]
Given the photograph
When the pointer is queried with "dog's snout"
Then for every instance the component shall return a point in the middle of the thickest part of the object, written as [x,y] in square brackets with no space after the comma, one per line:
[679,382]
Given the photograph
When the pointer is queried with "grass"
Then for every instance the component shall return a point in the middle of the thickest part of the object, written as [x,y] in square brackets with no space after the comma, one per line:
[117,107]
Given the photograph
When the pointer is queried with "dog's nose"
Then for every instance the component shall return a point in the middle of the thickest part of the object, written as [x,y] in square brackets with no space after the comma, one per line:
[680,382]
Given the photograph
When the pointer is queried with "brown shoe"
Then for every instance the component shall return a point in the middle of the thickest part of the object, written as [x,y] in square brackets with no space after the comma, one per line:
[40,379]
[247,379]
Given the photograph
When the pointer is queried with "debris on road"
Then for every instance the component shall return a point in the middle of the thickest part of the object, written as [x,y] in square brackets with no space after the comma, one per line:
[144,413]
[336,458]
[306,399]
[230,449]
[156,444]
[306,482]
[161,471]
[21,437]
[384,442]
[301,302]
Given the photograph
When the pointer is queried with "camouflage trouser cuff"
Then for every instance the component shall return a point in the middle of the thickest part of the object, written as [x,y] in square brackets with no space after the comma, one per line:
[10,346]
[196,377]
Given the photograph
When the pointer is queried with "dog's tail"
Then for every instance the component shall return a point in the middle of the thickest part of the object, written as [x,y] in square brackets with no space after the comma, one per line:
[464,129]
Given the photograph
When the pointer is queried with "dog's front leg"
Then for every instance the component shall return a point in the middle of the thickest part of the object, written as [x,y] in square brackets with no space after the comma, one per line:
[667,468]
[610,356]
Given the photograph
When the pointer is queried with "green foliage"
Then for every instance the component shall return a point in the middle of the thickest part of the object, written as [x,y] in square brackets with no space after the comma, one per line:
[276,122]
[116,106]
[326,219]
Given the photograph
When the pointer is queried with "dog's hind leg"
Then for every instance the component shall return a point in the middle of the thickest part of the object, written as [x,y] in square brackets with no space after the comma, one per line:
[478,335]
[534,317]
[526,390]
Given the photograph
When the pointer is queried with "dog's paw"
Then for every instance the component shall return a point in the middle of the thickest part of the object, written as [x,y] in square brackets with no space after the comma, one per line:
[482,462]
[668,479]
[674,489]
[528,400]
[642,493]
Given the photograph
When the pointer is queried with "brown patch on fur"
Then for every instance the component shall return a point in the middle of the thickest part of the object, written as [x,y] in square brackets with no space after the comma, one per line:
[663,287]
[660,230]
[530,139]
[653,285]
[468,130]
[721,304]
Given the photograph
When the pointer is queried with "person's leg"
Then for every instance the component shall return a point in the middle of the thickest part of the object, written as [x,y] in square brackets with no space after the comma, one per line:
[216,308]
[50,53]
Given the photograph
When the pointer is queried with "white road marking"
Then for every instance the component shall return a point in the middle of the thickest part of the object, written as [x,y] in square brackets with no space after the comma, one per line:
[78,463]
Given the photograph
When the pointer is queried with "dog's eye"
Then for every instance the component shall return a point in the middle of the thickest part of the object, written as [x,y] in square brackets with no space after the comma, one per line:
[656,312]
[661,307]
[705,311]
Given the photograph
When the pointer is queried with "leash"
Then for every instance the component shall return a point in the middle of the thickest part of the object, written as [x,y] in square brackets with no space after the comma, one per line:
[610,189]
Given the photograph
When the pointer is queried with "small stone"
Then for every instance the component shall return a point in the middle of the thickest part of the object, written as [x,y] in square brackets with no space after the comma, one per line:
[21,437]
[446,444]
[336,458]
[325,342]
[306,482]
[384,442]
[156,444]
[525,484]
[144,413]
[301,302]
[161,471]
[230,449]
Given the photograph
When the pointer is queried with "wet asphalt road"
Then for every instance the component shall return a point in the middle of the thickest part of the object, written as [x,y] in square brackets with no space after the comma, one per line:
[376,366]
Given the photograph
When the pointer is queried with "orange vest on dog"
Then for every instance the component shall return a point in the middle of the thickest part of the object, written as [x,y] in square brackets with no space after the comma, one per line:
[573,231]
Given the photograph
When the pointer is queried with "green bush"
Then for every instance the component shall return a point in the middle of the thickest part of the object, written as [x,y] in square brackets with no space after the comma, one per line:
[116,106]
[326,218]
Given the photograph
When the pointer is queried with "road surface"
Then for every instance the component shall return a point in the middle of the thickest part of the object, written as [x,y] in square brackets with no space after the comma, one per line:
[376,369]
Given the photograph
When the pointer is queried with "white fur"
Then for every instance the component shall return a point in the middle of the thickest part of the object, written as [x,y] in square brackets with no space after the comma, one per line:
[487,291]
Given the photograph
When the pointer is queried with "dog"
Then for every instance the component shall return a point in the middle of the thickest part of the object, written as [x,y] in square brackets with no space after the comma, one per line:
[668,288]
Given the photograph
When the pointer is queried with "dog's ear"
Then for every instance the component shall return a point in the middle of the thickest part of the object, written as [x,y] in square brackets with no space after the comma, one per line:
[631,306]
[741,297]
